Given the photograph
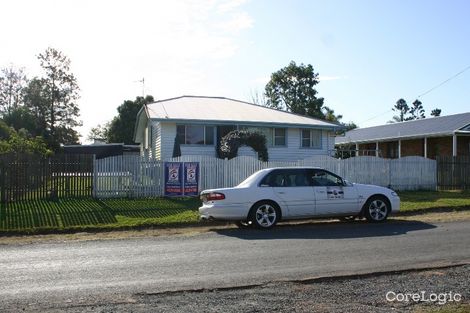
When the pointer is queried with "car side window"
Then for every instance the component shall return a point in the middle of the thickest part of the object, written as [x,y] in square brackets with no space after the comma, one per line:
[287,178]
[324,178]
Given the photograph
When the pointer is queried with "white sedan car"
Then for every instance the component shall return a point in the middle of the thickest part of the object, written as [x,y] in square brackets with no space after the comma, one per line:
[273,194]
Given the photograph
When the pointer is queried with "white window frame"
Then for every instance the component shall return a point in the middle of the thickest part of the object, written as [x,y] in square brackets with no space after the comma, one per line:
[311,139]
[271,141]
[274,137]
[196,144]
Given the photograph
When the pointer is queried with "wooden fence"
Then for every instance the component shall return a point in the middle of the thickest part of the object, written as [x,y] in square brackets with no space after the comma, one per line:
[453,172]
[30,177]
[128,176]
[133,176]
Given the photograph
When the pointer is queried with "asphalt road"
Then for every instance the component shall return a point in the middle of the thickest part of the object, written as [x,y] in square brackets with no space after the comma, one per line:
[112,270]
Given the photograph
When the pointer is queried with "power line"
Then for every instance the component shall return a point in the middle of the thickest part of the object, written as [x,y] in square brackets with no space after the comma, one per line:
[376,116]
[445,81]
[425,93]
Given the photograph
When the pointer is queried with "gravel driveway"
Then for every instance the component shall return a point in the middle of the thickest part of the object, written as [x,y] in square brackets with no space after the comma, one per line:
[357,294]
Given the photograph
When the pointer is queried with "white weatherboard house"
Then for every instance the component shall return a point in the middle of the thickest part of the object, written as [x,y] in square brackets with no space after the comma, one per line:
[200,122]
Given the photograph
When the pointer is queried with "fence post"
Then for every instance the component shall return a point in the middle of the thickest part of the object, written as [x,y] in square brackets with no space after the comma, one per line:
[2,181]
[94,178]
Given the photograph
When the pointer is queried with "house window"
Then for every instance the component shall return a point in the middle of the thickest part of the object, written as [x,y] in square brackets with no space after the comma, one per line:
[195,134]
[311,138]
[274,136]
[279,136]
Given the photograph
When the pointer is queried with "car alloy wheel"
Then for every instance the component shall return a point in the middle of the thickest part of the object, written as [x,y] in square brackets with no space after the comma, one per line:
[265,215]
[377,210]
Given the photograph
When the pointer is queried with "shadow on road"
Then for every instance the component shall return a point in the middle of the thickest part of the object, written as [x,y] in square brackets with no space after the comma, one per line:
[328,230]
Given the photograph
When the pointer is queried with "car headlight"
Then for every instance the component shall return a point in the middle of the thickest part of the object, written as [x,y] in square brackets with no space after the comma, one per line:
[394,194]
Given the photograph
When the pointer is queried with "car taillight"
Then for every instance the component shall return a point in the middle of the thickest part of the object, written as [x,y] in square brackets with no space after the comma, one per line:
[213,196]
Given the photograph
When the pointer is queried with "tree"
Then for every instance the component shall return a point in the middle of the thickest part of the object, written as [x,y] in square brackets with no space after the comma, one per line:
[22,118]
[292,89]
[55,98]
[230,143]
[99,132]
[436,112]
[12,83]
[121,128]
[36,102]
[407,113]
[12,141]
[402,107]
[416,111]
[258,98]
[329,115]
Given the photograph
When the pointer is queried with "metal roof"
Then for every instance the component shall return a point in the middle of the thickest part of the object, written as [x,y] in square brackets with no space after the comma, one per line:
[428,127]
[199,109]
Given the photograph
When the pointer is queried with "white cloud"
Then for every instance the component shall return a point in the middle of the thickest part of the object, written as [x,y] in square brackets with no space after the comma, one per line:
[229,5]
[237,22]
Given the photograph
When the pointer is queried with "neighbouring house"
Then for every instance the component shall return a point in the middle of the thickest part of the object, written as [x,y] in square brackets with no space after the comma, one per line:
[200,123]
[430,137]
[102,150]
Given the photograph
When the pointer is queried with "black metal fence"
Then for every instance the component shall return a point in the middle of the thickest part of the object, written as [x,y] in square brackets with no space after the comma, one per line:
[453,172]
[31,177]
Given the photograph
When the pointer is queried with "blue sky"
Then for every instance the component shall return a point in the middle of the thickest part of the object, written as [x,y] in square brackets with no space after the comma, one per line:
[368,53]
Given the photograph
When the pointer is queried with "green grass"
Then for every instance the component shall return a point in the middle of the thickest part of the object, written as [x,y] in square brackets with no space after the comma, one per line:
[86,213]
[423,200]
[82,214]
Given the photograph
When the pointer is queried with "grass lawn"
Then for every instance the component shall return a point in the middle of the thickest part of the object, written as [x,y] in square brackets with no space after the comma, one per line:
[422,200]
[86,214]
[83,214]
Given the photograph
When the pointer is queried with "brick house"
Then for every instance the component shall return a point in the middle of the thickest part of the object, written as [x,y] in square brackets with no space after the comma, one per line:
[430,137]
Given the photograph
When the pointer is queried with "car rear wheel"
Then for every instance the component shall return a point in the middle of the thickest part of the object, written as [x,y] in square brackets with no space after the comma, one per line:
[265,215]
[376,209]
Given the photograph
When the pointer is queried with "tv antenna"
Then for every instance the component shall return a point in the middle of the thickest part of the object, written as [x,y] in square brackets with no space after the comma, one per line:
[143,85]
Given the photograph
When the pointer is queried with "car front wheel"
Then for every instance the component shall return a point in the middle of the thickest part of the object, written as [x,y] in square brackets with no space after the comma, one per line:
[376,209]
[265,215]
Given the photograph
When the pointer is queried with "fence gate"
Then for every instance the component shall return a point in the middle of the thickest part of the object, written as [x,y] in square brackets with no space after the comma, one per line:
[453,172]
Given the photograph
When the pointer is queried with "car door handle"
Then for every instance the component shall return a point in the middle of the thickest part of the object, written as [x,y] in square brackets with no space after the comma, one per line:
[281,192]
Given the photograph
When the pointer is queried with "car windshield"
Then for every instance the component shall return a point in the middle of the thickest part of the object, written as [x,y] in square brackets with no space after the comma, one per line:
[248,181]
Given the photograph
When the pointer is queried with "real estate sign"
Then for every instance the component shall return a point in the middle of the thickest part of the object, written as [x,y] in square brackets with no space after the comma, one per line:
[181,178]
[173,179]
[191,178]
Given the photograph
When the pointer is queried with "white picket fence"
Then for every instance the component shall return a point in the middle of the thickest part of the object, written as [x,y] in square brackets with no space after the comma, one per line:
[135,177]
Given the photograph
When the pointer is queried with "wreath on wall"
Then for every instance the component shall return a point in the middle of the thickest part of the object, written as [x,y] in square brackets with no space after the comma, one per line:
[229,144]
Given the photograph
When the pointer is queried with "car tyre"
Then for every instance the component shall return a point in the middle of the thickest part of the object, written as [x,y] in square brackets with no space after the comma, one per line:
[264,214]
[376,209]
